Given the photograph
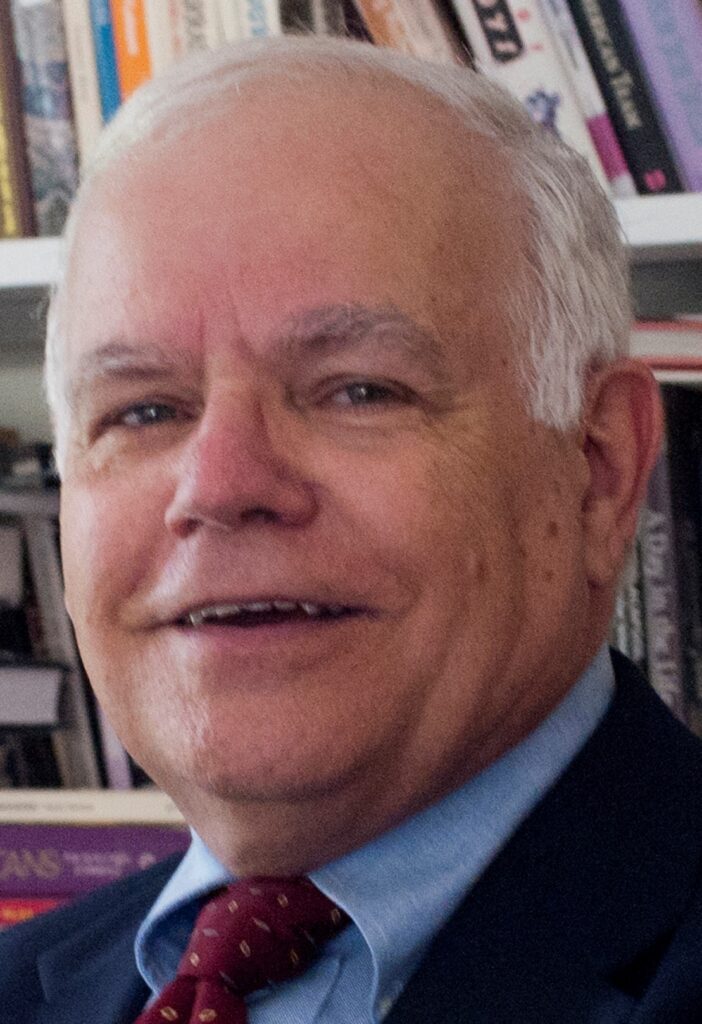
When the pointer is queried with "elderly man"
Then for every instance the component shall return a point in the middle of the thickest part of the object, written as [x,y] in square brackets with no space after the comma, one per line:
[352,456]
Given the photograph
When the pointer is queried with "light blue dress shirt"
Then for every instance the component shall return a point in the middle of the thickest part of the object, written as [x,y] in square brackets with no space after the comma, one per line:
[399,889]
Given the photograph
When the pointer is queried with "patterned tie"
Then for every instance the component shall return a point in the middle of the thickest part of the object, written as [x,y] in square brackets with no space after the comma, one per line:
[251,933]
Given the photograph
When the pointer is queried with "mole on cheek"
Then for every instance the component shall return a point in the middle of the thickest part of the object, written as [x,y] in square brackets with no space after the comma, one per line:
[553,529]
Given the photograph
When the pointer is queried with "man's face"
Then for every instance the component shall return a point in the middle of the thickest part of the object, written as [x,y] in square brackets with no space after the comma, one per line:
[314,547]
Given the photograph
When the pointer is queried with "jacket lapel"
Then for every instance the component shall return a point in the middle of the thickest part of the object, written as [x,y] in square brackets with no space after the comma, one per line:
[571,920]
[91,974]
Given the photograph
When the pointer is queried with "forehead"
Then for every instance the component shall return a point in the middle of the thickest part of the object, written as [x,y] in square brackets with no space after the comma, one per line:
[300,194]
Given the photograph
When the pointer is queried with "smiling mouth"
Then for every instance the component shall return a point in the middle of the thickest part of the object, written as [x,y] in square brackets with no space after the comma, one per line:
[266,613]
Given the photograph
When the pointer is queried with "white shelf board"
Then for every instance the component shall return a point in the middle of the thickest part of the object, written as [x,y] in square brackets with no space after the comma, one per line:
[661,228]
[29,262]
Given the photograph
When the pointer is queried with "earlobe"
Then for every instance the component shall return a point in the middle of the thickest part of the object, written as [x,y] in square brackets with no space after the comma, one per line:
[621,438]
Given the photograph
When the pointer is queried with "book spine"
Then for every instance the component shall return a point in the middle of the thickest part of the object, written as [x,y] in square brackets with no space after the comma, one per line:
[74,747]
[82,69]
[599,124]
[15,911]
[667,36]
[230,15]
[202,25]
[105,57]
[321,17]
[664,654]
[636,612]
[69,860]
[251,19]
[613,60]
[46,100]
[413,26]
[164,27]
[131,44]
[16,217]
[512,43]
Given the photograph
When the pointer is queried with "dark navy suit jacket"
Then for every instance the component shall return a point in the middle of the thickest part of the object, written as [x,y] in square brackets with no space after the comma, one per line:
[592,913]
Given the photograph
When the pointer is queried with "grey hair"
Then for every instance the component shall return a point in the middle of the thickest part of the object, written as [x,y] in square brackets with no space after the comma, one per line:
[569,301]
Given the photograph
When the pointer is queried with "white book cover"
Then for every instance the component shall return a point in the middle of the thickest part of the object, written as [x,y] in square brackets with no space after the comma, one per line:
[512,43]
[83,76]
[164,31]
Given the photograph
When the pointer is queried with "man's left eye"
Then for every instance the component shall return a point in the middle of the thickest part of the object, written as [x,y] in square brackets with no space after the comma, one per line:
[361,393]
[146,414]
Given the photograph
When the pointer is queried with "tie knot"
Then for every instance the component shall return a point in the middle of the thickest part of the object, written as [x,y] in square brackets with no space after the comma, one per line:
[260,930]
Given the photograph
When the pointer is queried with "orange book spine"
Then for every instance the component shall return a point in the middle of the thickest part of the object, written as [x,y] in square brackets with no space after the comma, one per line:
[385,23]
[131,44]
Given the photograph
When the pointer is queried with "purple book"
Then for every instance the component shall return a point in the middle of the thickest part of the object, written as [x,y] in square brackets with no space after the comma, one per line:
[70,860]
[667,36]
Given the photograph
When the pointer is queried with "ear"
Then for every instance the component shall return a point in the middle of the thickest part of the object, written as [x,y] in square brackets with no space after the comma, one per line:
[621,437]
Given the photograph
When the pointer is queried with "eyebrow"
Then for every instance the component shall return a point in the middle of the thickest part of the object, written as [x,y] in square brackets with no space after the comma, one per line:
[329,330]
[315,333]
[119,359]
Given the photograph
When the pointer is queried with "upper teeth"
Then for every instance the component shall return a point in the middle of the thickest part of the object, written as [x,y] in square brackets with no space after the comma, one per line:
[227,611]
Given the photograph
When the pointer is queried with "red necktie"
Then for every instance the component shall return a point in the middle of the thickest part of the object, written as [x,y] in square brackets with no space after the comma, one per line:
[249,934]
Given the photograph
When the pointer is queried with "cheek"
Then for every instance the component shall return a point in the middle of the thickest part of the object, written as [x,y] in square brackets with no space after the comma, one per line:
[109,537]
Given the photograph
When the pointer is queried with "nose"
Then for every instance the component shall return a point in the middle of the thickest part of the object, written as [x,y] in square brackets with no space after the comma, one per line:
[235,471]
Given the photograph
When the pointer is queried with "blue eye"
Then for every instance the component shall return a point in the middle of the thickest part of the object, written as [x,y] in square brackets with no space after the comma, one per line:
[366,393]
[147,414]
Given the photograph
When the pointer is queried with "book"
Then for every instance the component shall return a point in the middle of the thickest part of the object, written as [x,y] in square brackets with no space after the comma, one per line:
[417,27]
[164,29]
[105,58]
[46,103]
[83,75]
[660,591]
[56,845]
[667,37]
[11,575]
[512,43]
[608,45]
[250,19]
[14,911]
[16,216]
[88,807]
[27,761]
[131,44]
[202,27]
[30,694]
[668,344]
[48,860]
[322,17]
[587,91]
[75,746]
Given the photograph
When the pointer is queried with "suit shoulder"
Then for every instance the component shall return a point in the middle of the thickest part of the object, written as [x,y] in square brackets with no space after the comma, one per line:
[126,900]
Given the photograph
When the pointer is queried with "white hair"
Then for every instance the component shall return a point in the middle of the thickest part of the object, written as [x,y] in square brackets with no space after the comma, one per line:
[568,304]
